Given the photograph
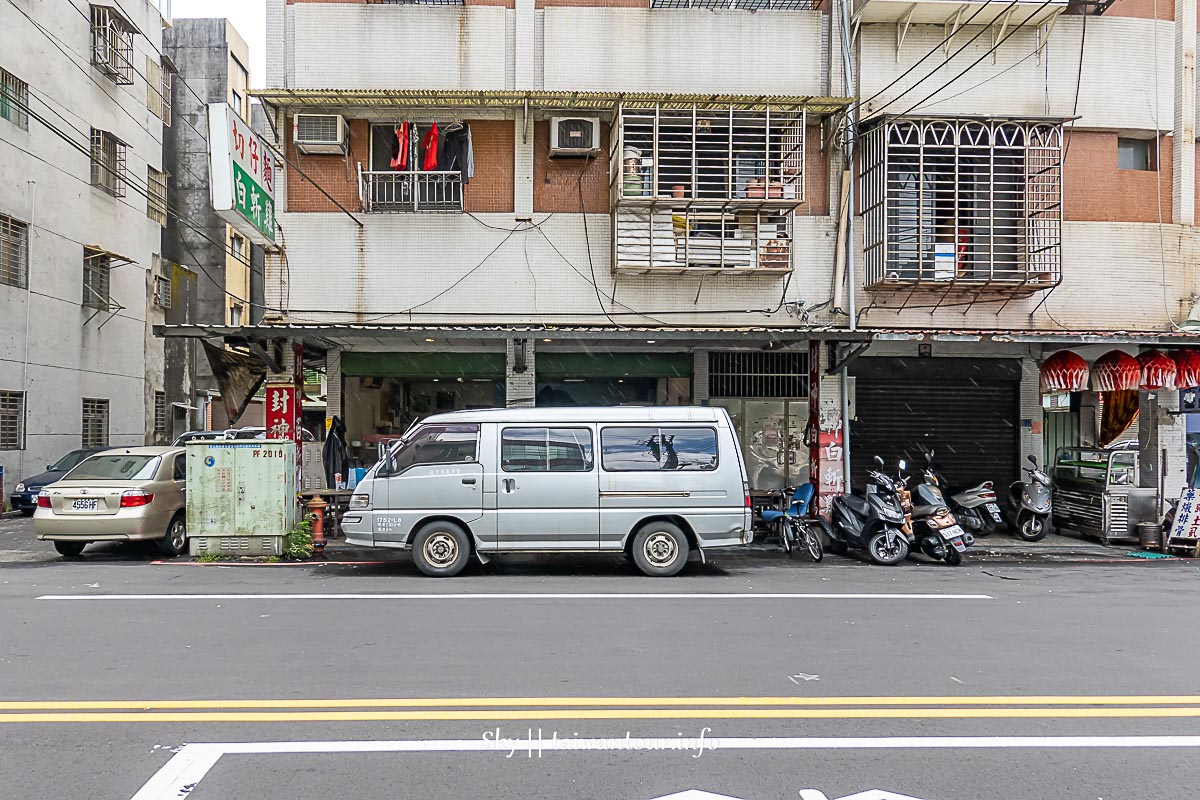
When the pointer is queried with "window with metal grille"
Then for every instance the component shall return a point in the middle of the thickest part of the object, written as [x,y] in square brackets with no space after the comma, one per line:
[108,162]
[160,412]
[112,44]
[95,422]
[96,279]
[14,99]
[165,92]
[744,5]
[14,252]
[156,195]
[162,292]
[12,420]
[960,201]
[757,374]
[416,2]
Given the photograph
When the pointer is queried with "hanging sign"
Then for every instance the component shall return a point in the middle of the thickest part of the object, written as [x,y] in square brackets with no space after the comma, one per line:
[242,171]
[282,420]
[1187,517]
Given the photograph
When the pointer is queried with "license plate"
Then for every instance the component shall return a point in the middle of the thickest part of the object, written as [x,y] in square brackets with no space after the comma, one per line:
[86,504]
[951,532]
[994,510]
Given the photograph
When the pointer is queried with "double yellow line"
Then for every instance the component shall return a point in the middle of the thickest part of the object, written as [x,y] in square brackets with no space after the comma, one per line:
[490,709]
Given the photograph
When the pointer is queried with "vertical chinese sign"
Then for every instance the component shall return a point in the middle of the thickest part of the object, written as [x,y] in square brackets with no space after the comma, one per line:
[824,433]
[282,416]
[242,171]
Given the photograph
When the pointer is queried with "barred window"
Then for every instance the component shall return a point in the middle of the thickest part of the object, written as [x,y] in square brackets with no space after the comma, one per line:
[162,292]
[14,252]
[156,195]
[757,374]
[160,412]
[96,280]
[95,422]
[164,91]
[112,44]
[12,420]
[108,162]
[14,99]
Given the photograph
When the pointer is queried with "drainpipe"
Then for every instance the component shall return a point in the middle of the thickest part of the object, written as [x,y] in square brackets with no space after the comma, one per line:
[848,214]
[28,304]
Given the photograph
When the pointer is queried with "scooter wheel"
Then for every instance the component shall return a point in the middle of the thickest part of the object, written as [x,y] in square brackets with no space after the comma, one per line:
[953,557]
[883,553]
[1031,528]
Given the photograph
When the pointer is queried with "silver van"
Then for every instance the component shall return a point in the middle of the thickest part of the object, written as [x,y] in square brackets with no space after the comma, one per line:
[652,483]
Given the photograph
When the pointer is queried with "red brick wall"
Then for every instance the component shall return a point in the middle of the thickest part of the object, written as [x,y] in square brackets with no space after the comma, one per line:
[491,189]
[595,3]
[1141,9]
[1095,190]
[556,181]
[336,174]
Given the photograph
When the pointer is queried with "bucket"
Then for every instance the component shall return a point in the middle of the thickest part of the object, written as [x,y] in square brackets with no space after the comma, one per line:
[1150,535]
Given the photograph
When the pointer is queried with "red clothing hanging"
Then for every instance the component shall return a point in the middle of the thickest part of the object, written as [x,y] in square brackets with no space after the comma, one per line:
[400,147]
[430,145]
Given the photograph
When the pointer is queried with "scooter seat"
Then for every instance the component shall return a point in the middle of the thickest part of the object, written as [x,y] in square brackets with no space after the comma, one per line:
[925,511]
[772,515]
[857,505]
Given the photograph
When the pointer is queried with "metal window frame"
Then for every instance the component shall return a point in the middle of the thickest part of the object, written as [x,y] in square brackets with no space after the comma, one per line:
[112,44]
[14,99]
[162,292]
[965,203]
[740,5]
[759,375]
[108,162]
[14,252]
[97,279]
[156,195]
[415,2]
[95,419]
[12,420]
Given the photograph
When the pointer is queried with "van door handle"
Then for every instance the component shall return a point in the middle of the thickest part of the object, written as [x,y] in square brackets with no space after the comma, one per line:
[469,481]
[510,485]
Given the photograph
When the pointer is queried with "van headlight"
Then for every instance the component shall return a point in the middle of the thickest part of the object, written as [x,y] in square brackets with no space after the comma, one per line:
[360,501]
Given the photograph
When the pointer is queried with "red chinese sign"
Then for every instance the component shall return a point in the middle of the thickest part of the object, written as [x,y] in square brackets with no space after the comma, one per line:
[283,415]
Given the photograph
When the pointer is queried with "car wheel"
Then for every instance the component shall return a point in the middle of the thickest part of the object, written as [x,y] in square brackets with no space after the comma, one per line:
[27,512]
[69,549]
[441,549]
[175,542]
[660,549]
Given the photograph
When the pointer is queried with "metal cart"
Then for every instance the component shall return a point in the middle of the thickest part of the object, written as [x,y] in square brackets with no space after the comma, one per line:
[1096,494]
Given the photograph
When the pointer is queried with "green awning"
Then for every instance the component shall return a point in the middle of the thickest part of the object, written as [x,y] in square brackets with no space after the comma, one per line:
[551,366]
[423,365]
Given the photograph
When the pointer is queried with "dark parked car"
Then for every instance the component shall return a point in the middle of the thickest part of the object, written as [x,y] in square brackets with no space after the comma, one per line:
[25,494]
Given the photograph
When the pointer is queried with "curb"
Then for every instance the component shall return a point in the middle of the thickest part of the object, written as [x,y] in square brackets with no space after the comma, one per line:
[164,562]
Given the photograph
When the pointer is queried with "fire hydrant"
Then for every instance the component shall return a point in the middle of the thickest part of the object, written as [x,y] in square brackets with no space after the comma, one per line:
[317,507]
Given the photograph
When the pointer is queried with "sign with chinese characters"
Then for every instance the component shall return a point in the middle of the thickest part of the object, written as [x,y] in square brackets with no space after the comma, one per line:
[282,414]
[242,172]
[1187,518]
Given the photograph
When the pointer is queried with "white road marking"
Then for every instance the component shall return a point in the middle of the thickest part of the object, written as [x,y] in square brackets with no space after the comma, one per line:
[179,776]
[528,596]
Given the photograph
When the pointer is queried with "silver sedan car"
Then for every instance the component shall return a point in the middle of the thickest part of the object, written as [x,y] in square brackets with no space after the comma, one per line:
[126,494]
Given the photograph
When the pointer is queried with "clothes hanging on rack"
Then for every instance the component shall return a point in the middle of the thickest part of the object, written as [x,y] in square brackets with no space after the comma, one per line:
[430,145]
[470,173]
[456,151]
[400,155]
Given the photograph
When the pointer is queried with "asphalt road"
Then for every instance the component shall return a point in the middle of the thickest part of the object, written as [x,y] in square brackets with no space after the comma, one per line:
[575,678]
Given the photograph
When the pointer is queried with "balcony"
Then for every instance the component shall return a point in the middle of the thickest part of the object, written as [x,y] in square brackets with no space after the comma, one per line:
[389,191]
[962,204]
[955,13]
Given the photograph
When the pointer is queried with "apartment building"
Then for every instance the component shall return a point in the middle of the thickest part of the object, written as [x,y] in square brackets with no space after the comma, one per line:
[83,103]
[658,201]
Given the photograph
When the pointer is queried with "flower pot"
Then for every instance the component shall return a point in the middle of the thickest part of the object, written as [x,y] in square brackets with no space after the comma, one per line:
[677,191]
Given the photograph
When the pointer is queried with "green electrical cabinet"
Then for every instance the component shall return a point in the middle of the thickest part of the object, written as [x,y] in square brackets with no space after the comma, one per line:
[241,496]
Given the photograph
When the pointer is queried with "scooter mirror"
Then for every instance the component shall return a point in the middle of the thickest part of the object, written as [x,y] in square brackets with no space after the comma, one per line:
[1032,459]
[879,461]
[903,464]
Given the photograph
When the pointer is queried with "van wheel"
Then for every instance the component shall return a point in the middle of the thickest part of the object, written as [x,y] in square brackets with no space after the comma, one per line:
[660,549]
[69,549]
[441,549]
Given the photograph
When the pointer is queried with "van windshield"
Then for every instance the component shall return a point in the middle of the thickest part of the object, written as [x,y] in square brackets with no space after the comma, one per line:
[436,444]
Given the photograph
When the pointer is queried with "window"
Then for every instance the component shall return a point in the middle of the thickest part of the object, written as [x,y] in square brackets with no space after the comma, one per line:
[651,448]
[160,412]
[112,44]
[108,162]
[95,423]
[417,2]
[117,467]
[546,450]
[1136,154]
[14,252]
[235,315]
[14,99]
[408,188]
[236,245]
[180,471]
[158,88]
[966,202]
[757,374]
[237,103]
[437,444]
[12,420]
[156,195]
[745,5]
[162,292]
[96,267]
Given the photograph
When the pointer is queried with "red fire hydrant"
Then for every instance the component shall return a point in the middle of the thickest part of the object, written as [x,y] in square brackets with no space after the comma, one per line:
[317,507]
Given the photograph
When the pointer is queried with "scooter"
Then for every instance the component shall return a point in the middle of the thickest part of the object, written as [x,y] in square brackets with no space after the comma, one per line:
[977,509]
[1028,504]
[795,527]
[937,533]
[872,521]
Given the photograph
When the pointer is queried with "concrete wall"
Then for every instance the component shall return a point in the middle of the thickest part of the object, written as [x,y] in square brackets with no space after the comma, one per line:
[73,352]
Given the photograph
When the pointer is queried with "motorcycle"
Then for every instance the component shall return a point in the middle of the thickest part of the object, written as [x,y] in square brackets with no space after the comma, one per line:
[872,521]
[977,509]
[1028,504]
[937,533]
[796,528]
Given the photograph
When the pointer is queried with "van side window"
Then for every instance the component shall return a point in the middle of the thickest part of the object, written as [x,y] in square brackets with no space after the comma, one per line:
[546,450]
[438,444]
[651,448]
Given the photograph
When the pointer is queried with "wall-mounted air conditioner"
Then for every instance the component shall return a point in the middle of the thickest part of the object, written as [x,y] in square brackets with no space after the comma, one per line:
[320,134]
[574,136]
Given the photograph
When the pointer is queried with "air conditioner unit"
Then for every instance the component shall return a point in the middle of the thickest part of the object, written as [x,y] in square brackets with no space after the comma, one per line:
[320,134]
[574,136]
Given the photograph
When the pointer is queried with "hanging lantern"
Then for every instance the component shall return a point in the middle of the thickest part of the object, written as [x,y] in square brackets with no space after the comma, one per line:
[1187,366]
[1158,370]
[1116,371]
[1064,371]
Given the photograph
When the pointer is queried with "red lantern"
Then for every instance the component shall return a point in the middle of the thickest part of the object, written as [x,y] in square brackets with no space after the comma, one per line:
[1064,371]
[1116,371]
[1187,364]
[1158,370]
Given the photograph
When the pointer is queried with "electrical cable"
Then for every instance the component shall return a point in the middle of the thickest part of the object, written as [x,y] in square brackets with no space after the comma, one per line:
[588,242]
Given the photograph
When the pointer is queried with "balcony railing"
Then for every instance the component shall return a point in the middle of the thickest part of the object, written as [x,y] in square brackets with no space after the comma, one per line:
[699,241]
[388,191]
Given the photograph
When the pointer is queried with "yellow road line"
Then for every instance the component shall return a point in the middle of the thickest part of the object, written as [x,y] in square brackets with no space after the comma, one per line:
[586,702]
[604,714]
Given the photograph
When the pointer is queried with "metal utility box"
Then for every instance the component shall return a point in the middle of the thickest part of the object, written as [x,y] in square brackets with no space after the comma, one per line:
[241,496]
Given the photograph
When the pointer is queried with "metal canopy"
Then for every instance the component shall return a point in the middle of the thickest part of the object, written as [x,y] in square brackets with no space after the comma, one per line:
[504,99]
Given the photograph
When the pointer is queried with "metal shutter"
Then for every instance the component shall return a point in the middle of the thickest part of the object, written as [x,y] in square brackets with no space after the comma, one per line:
[970,421]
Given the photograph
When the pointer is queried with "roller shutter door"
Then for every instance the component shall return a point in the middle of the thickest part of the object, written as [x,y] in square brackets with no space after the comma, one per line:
[966,411]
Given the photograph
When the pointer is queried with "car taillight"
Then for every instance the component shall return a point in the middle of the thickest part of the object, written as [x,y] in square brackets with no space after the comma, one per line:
[43,500]
[133,498]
